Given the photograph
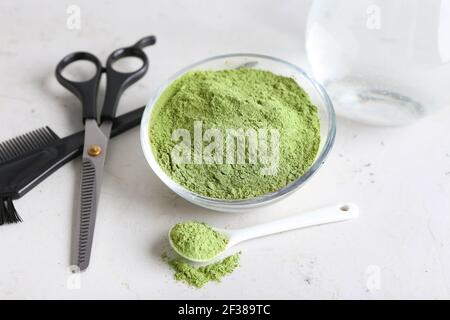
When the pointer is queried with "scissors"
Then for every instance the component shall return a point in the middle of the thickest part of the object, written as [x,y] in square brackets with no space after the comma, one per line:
[97,133]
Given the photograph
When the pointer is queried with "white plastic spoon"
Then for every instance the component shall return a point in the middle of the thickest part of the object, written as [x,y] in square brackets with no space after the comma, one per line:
[336,213]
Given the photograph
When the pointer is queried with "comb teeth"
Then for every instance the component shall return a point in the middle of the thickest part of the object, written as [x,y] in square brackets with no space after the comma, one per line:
[87,204]
[26,143]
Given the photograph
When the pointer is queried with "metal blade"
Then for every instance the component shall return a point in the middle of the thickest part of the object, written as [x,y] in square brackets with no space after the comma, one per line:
[96,139]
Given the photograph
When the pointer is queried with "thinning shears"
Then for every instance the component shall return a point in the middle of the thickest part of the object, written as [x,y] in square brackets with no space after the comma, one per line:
[97,133]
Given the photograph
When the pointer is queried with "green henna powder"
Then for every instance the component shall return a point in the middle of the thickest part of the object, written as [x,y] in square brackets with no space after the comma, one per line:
[199,276]
[198,241]
[246,99]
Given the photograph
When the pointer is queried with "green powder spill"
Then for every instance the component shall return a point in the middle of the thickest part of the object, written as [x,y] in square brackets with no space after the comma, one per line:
[197,240]
[247,99]
[199,276]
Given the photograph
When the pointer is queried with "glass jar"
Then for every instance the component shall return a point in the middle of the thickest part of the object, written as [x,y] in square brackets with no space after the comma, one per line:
[383,62]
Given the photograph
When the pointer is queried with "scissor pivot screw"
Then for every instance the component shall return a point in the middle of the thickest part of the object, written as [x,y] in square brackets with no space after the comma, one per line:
[94,151]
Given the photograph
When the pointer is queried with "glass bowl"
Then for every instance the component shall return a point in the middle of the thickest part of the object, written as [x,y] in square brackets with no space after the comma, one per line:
[317,95]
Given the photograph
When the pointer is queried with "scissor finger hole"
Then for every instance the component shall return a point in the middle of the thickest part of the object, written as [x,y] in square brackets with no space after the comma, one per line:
[79,71]
[127,64]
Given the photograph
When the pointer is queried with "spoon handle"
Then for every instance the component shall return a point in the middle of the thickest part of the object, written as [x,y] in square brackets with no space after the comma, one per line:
[336,213]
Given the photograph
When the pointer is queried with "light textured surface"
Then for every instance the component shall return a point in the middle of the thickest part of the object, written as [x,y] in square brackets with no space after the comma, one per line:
[399,177]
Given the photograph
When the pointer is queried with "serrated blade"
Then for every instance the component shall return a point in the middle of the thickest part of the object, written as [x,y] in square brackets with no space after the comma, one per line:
[91,177]
[88,204]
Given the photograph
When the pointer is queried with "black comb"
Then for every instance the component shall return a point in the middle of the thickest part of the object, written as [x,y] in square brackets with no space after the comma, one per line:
[28,142]
[27,160]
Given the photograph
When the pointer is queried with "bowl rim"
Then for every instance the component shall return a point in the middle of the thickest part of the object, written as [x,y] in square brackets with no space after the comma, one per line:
[226,203]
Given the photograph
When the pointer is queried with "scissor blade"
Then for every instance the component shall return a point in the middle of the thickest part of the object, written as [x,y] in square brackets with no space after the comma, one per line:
[86,218]
[91,176]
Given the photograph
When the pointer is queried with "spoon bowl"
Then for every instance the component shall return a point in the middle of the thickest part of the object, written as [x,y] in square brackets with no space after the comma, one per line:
[181,254]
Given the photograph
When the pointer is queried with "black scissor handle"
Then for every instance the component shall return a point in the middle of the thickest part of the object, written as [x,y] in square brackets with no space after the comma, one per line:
[145,42]
[86,91]
[118,82]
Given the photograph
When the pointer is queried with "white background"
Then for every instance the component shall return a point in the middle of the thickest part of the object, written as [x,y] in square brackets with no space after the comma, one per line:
[400,177]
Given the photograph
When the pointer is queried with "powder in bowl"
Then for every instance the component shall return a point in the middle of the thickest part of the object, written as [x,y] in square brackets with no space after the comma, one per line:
[234,134]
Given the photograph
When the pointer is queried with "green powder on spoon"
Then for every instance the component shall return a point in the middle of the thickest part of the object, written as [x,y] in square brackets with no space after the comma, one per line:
[197,241]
